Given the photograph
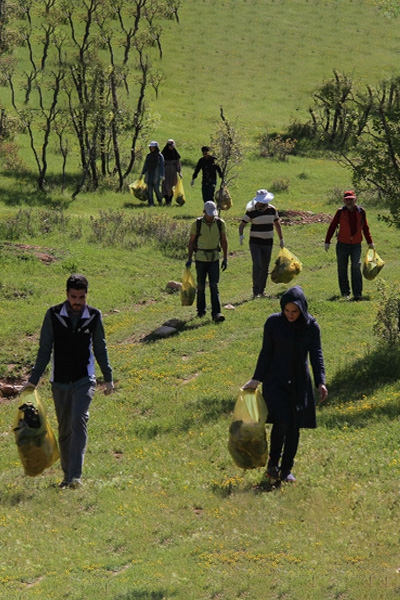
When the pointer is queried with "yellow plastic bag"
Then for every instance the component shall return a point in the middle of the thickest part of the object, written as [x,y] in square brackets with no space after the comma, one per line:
[287,266]
[372,264]
[139,189]
[223,198]
[179,194]
[188,289]
[247,436]
[37,446]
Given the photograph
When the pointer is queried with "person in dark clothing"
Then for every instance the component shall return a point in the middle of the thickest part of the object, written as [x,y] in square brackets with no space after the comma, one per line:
[290,337]
[153,170]
[209,166]
[352,222]
[73,335]
[172,168]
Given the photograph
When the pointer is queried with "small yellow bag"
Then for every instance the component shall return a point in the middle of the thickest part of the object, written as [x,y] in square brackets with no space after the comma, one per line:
[139,189]
[247,436]
[372,265]
[179,194]
[286,267]
[223,198]
[188,289]
[37,446]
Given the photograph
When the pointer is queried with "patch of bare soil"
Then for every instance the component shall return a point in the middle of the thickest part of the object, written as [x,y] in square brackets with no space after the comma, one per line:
[46,255]
[302,217]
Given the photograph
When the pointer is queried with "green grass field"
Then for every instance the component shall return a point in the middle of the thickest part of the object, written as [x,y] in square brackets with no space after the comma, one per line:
[165,514]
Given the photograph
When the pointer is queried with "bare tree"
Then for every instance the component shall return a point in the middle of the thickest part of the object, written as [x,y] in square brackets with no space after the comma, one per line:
[101,56]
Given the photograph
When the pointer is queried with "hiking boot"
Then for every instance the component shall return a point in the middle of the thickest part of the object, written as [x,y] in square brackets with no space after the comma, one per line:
[75,484]
[219,318]
[272,473]
[287,477]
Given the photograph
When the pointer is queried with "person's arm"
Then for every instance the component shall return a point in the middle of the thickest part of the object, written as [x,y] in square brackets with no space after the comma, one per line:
[161,164]
[224,246]
[101,354]
[192,240]
[265,356]
[197,170]
[367,233]
[317,361]
[241,227]
[278,227]
[45,349]
[331,229]
[144,170]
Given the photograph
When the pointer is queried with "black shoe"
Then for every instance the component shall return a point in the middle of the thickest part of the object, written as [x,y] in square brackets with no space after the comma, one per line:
[219,318]
[272,473]
[201,314]
[64,483]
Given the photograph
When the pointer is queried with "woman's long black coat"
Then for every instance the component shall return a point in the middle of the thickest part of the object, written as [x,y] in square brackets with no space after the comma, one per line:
[283,368]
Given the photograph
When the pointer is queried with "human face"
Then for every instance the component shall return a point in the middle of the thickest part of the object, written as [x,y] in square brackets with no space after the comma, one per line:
[208,218]
[291,312]
[76,299]
[350,203]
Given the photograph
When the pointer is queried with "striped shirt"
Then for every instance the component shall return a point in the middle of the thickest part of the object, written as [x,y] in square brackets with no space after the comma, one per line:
[262,224]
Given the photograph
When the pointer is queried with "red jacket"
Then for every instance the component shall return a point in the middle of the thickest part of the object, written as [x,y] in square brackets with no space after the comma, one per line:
[345,235]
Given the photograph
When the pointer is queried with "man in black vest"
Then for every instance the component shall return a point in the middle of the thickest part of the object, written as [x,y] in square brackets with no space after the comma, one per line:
[73,336]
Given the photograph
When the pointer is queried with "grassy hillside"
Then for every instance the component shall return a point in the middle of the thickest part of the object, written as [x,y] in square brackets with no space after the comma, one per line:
[164,513]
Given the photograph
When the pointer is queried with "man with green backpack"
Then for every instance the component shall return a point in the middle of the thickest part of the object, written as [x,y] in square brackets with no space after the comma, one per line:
[207,238]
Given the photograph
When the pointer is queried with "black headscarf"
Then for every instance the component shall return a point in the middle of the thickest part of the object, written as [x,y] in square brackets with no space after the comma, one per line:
[170,153]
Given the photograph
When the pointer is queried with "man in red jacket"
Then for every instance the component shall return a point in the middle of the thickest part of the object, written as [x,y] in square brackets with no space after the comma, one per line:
[352,222]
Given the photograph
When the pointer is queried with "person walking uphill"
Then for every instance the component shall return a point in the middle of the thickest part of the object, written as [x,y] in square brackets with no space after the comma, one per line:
[290,337]
[263,218]
[153,169]
[73,333]
[207,236]
[172,168]
[209,166]
[352,222]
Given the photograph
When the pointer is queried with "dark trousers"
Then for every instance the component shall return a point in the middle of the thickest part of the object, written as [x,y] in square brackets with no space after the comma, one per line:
[344,252]
[261,257]
[210,269]
[208,191]
[72,403]
[283,443]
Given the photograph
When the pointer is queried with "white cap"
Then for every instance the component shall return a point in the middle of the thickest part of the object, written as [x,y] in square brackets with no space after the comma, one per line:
[210,208]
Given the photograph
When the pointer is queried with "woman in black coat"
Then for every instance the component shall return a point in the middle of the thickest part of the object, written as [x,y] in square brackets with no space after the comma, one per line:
[290,338]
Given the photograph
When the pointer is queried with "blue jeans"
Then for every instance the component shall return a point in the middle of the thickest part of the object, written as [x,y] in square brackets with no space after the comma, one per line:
[153,185]
[212,270]
[208,191]
[72,403]
[261,257]
[343,253]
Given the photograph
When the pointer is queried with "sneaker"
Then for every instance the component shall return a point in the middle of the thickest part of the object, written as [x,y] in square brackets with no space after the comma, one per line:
[64,484]
[75,484]
[201,314]
[219,318]
[346,296]
[272,473]
[287,477]
[357,298]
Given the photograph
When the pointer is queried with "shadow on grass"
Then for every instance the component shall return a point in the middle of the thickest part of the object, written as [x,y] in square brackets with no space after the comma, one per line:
[141,594]
[361,379]
[337,297]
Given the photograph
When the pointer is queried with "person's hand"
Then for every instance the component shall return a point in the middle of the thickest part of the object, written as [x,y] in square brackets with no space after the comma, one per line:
[327,246]
[371,246]
[192,183]
[224,264]
[282,243]
[223,184]
[27,386]
[109,388]
[241,238]
[188,263]
[251,385]
[323,392]
[180,175]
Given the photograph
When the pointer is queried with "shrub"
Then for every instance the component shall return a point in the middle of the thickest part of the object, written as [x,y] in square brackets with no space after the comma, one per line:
[387,322]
